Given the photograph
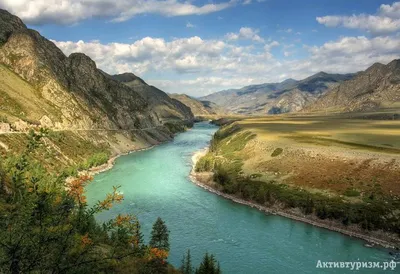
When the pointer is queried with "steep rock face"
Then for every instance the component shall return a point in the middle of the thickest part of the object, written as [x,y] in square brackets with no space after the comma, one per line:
[198,107]
[165,108]
[272,98]
[377,87]
[9,24]
[74,93]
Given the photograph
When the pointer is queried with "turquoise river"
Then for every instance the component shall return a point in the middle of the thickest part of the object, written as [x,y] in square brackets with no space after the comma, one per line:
[156,183]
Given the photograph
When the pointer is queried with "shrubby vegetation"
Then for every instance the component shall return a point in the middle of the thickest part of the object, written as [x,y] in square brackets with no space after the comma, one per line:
[46,225]
[374,212]
[3,119]
[209,265]
[278,151]
[205,163]
[96,160]
[176,127]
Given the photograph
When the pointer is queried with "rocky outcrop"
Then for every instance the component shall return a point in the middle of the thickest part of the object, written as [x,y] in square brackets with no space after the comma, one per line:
[9,24]
[5,127]
[377,87]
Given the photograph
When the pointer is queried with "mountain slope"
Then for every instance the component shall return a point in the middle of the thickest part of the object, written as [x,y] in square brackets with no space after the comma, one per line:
[199,108]
[83,95]
[86,110]
[287,96]
[166,108]
[377,87]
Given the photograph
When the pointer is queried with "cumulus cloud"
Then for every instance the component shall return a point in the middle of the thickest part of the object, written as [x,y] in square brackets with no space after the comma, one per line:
[72,11]
[150,54]
[211,65]
[387,20]
[245,33]
[392,11]
[269,46]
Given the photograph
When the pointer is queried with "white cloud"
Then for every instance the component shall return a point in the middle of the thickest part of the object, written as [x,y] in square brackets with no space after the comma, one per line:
[269,46]
[387,20]
[151,54]
[203,66]
[190,25]
[392,11]
[245,33]
[72,11]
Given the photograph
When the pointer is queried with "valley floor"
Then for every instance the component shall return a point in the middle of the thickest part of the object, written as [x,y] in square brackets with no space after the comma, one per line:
[351,160]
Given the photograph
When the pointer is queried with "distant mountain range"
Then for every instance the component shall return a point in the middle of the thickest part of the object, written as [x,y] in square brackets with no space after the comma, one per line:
[274,98]
[199,107]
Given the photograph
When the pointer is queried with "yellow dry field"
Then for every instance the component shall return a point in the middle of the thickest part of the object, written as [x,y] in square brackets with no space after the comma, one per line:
[362,134]
[332,153]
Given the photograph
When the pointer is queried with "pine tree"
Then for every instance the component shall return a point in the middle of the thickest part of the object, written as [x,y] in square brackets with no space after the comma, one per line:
[160,235]
[186,267]
[209,265]
[138,244]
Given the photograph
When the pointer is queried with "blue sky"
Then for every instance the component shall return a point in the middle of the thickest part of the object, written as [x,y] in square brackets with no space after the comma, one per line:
[198,47]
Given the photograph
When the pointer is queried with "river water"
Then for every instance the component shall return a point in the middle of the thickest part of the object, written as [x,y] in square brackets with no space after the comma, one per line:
[155,183]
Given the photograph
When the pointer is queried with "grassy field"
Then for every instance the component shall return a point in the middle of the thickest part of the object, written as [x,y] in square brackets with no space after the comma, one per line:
[333,154]
[371,135]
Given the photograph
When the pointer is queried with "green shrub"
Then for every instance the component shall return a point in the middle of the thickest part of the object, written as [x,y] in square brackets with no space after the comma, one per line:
[205,163]
[277,152]
[95,160]
[351,192]
[175,127]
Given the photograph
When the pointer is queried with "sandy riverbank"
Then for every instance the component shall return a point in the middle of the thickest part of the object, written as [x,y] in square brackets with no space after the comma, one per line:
[204,180]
